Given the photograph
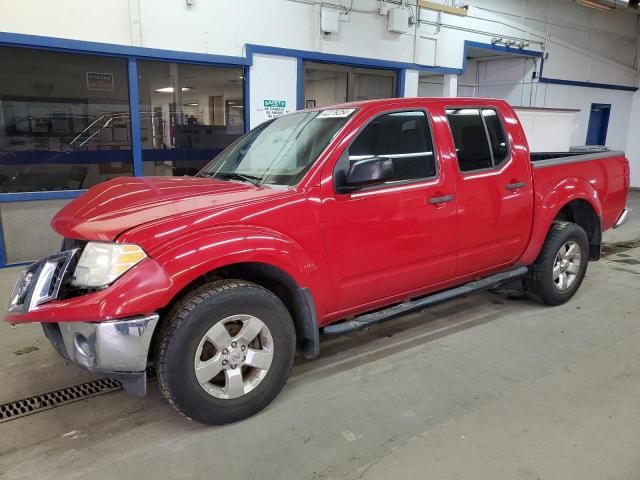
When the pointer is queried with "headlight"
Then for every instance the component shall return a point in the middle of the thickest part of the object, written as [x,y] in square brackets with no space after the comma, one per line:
[102,263]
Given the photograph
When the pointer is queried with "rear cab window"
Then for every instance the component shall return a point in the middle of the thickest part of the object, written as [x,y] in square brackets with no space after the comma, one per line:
[479,138]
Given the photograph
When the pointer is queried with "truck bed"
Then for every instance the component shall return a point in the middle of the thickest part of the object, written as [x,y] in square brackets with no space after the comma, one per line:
[542,159]
[603,173]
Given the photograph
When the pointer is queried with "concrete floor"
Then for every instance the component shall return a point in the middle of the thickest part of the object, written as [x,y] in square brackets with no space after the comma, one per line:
[490,386]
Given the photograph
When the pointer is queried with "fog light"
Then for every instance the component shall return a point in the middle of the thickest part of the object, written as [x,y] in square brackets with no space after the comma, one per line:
[83,346]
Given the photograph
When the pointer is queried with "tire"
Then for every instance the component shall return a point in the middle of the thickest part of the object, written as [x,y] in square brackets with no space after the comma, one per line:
[547,286]
[194,337]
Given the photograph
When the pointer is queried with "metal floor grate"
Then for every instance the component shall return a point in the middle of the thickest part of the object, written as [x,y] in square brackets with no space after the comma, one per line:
[45,401]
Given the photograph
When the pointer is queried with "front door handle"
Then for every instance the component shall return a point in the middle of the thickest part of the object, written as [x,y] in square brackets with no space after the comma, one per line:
[439,200]
[515,186]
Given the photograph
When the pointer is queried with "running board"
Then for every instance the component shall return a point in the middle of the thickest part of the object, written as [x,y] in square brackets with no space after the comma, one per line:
[369,319]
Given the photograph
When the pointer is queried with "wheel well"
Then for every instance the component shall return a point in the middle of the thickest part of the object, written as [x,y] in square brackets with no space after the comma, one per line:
[297,300]
[582,213]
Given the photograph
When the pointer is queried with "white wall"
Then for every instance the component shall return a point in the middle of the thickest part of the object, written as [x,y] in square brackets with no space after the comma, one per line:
[632,148]
[546,130]
[511,79]
[582,44]
[272,78]
[562,96]
[411,83]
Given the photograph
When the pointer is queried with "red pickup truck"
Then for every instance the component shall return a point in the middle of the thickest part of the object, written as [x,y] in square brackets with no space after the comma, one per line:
[318,222]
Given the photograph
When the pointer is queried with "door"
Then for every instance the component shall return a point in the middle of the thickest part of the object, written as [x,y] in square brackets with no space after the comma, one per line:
[398,236]
[328,84]
[598,124]
[493,191]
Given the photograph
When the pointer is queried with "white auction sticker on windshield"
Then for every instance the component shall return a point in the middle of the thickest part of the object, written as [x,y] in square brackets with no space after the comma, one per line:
[336,113]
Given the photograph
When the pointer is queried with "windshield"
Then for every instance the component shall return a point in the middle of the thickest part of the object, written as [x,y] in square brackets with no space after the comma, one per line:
[281,151]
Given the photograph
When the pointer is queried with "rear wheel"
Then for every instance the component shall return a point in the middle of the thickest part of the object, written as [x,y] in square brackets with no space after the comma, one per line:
[560,268]
[226,353]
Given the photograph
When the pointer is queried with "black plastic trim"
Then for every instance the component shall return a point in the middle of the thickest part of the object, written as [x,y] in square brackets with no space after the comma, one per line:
[369,319]
[308,334]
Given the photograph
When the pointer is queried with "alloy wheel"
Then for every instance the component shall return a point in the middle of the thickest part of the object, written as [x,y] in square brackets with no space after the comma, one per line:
[234,356]
[567,265]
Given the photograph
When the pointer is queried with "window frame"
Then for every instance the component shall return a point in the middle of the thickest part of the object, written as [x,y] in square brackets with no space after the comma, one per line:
[387,185]
[494,167]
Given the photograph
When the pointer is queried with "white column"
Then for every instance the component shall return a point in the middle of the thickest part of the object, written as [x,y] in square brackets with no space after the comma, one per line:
[272,78]
[411,83]
[450,86]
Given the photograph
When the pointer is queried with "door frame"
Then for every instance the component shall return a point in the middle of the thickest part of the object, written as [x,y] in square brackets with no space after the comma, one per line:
[604,128]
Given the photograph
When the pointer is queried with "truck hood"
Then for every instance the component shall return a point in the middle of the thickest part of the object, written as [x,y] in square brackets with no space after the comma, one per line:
[112,207]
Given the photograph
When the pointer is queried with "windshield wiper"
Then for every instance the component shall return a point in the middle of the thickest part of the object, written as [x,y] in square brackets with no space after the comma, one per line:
[235,176]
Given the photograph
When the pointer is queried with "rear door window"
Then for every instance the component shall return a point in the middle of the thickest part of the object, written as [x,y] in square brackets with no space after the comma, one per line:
[479,138]
[497,136]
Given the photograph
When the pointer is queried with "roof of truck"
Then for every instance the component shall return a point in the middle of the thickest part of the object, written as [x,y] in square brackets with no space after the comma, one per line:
[411,100]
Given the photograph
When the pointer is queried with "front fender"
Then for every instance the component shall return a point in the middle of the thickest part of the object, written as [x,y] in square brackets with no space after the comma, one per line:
[192,256]
[548,202]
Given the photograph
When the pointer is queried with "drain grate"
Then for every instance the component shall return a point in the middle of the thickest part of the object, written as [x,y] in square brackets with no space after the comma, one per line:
[45,401]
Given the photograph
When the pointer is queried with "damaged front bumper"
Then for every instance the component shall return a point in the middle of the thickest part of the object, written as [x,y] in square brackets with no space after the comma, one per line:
[117,349]
[114,348]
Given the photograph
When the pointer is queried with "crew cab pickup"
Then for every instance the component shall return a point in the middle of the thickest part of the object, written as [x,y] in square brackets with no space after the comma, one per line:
[314,223]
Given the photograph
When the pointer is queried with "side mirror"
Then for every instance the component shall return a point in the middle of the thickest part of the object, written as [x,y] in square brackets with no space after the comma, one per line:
[366,172]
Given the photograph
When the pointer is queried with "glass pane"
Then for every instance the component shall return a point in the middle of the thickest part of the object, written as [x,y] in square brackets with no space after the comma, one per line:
[324,86]
[64,120]
[470,139]
[497,136]
[402,136]
[281,151]
[188,114]
[370,86]
[329,84]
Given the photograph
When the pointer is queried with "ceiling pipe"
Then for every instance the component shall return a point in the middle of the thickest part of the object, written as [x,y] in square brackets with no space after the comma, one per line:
[609,6]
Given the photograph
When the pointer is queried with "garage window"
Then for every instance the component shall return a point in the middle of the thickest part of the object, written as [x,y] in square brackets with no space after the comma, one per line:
[188,114]
[64,120]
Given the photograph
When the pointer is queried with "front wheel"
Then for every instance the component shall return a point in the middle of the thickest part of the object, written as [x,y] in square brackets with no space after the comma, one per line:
[560,268]
[226,352]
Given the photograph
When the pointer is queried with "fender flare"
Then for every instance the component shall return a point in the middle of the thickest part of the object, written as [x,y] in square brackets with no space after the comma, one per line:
[549,203]
[194,255]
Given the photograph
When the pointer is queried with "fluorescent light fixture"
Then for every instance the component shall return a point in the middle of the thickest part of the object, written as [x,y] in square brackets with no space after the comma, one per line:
[170,89]
[595,5]
[192,104]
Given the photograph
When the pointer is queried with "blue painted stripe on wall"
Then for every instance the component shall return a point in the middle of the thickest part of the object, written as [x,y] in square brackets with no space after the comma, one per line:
[32,196]
[81,46]
[500,48]
[252,49]
[402,77]
[300,85]
[575,83]
[134,104]
[247,98]
[3,258]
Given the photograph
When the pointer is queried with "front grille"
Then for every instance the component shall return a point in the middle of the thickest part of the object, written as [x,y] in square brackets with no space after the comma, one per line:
[71,243]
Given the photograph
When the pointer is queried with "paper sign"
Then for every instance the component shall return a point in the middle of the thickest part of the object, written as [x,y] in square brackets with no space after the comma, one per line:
[99,81]
[336,113]
[274,108]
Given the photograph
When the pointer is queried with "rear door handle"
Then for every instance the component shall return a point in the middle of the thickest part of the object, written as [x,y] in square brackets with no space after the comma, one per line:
[514,186]
[439,200]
